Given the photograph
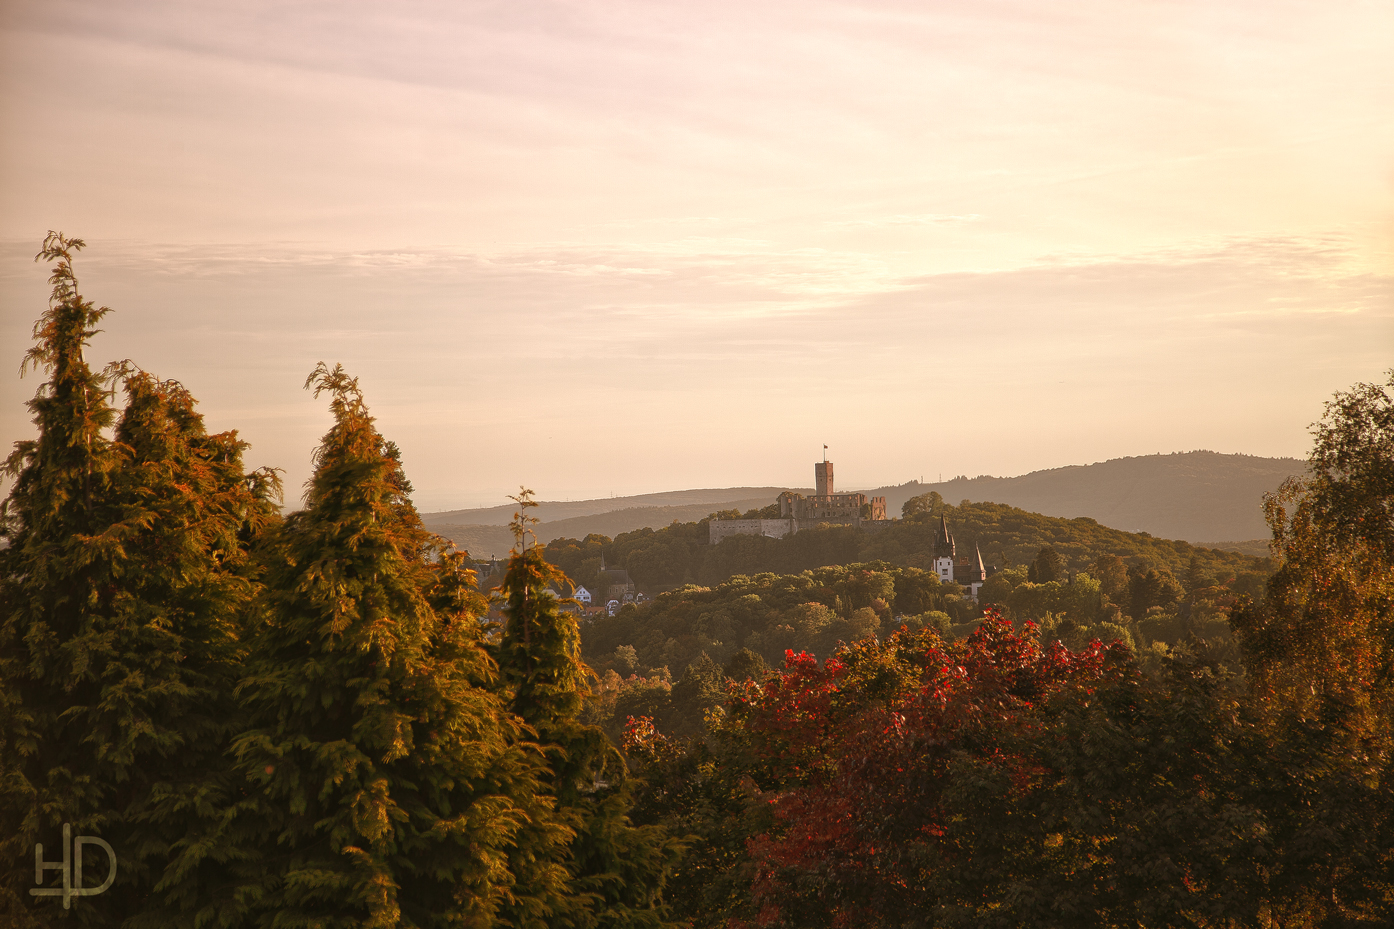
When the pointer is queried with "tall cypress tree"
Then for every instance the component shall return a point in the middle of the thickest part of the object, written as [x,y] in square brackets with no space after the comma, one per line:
[616,870]
[122,582]
[387,784]
[52,640]
[189,515]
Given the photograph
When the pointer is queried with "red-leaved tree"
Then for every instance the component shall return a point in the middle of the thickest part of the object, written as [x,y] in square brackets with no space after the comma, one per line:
[869,761]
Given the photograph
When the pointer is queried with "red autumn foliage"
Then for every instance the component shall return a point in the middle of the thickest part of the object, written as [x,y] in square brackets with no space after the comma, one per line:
[857,754]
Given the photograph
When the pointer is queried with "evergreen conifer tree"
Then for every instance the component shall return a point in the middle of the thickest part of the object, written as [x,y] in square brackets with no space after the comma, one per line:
[53,591]
[189,516]
[1047,566]
[617,870]
[387,783]
[122,583]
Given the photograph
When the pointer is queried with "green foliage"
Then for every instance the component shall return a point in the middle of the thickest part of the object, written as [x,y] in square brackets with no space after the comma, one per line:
[1112,572]
[745,665]
[1350,492]
[385,783]
[616,872]
[699,691]
[124,579]
[924,506]
[764,615]
[681,554]
[1009,536]
[1319,645]
[540,651]
[1327,619]
[1151,588]
[1047,567]
[767,615]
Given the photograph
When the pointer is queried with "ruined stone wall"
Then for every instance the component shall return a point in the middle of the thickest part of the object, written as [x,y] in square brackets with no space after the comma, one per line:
[718,529]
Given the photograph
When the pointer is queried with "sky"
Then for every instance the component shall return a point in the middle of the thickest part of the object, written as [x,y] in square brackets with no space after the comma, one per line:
[607,248]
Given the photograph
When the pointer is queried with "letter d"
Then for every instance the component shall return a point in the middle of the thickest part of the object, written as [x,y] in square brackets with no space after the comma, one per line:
[78,889]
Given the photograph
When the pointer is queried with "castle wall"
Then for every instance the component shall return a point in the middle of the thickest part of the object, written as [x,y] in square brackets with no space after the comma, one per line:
[878,508]
[718,529]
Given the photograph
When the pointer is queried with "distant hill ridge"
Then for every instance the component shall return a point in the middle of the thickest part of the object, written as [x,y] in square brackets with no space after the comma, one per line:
[552,510]
[1199,497]
[1196,497]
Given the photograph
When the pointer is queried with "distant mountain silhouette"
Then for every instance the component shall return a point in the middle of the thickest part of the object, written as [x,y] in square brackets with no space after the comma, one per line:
[1198,497]
[484,532]
[552,510]
[1204,498]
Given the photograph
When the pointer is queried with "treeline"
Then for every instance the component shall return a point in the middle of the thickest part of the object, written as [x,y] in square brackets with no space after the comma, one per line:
[816,610]
[666,658]
[757,597]
[680,554]
[280,722]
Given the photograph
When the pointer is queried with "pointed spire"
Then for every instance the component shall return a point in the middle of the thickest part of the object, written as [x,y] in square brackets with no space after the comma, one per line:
[978,558]
[944,541]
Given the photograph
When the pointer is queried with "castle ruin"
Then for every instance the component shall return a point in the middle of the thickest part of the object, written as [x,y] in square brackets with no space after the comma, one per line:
[825,507]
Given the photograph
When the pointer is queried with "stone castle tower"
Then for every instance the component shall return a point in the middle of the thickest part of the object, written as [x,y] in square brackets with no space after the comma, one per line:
[796,512]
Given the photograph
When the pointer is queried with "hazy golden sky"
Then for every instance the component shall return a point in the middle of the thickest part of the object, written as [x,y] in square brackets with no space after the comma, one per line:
[617,247]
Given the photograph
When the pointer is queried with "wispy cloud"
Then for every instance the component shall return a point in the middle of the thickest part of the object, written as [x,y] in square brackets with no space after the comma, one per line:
[923,219]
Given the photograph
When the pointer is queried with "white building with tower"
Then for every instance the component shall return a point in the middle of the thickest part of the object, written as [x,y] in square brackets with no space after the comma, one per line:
[967,571]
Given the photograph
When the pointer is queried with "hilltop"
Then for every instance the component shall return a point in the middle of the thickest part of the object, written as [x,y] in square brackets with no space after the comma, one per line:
[484,531]
[1199,497]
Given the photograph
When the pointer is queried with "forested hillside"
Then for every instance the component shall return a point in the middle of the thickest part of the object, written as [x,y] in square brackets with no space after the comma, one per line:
[666,658]
[681,554]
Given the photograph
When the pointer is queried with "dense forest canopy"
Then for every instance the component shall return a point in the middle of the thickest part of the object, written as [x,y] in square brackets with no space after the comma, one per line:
[681,554]
[326,719]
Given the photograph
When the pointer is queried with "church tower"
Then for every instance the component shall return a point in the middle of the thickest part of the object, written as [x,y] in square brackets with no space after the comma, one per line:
[944,551]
